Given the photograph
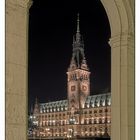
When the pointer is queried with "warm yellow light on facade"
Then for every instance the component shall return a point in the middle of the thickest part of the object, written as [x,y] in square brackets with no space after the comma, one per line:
[47,129]
[108,121]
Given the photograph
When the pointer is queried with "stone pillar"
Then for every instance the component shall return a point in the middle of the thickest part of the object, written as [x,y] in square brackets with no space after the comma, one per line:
[16,68]
[122,87]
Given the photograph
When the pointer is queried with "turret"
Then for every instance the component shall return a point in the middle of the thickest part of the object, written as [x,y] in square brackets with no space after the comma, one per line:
[36,107]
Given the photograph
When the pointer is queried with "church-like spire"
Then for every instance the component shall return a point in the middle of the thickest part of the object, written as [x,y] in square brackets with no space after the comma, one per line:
[78,36]
[78,56]
[78,29]
[78,79]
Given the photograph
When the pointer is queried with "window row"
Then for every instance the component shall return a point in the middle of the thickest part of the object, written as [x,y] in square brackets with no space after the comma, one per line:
[52,115]
[53,123]
[54,109]
[96,111]
[96,121]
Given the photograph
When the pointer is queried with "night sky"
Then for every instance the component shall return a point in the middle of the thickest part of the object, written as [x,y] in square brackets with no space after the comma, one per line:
[52,25]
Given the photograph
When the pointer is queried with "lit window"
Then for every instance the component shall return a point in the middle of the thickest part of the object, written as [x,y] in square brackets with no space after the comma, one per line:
[109,102]
[87,105]
[92,105]
[98,104]
[108,120]
[97,120]
[103,103]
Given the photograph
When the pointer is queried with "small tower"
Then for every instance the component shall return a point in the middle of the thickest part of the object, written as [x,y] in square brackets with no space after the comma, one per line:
[78,75]
[36,107]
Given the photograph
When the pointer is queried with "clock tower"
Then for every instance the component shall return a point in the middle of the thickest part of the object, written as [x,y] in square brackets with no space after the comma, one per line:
[78,75]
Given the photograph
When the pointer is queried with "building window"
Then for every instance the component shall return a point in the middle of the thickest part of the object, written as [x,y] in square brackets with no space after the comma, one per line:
[87,105]
[90,121]
[100,111]
[90,112]
[106,110]
[95,111]
[66,108]
[85,121]
[90,129]
[100,120]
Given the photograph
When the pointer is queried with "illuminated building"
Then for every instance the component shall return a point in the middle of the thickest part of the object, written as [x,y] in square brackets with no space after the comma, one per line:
[82,114]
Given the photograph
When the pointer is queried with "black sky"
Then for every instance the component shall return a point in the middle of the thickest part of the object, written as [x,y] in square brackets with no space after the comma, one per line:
[52,25]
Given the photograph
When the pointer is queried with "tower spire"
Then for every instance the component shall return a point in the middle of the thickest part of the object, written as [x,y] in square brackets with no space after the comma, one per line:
[78,74]
[78,36]
[78,28]
[78,56]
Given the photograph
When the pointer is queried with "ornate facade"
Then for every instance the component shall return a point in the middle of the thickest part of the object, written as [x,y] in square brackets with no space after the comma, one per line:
[82,114]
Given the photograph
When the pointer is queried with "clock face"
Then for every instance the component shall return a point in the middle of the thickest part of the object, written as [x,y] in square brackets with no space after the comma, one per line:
[84,88]
[73,88]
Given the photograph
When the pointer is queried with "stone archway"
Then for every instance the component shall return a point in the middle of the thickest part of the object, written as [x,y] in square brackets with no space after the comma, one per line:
[121,18]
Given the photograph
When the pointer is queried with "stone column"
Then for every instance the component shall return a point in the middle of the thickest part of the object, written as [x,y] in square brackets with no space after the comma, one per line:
[16,68]
[122,87]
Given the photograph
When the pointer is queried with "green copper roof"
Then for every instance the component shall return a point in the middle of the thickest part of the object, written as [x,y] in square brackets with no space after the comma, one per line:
[91,101]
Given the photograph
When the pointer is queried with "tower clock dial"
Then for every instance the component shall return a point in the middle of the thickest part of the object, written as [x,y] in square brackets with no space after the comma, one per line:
[73,88]
[84,88]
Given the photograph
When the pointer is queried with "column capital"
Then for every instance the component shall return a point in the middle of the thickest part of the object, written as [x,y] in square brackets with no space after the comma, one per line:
[114,41]
[20,3]
[122,39]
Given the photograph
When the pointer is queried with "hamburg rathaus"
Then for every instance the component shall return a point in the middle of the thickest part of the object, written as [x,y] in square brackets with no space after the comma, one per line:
[81,115]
